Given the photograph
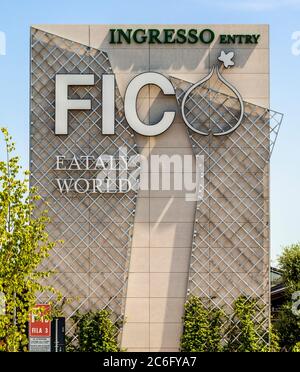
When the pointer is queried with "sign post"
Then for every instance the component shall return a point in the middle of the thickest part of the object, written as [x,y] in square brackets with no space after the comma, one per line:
[40,329]
[58,335]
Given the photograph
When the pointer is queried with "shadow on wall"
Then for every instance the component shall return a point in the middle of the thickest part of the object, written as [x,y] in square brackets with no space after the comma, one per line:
[176,58]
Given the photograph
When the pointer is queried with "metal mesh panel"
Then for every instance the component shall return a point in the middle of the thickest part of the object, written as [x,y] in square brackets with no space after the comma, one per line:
[210,111]
[92,264]
[230,253]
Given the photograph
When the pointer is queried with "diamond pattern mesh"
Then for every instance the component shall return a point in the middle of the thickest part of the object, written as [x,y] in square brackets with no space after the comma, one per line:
[91,265]
[230,253]
[209,110]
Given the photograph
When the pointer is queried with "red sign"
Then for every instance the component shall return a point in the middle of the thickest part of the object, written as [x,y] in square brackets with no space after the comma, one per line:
[39,324]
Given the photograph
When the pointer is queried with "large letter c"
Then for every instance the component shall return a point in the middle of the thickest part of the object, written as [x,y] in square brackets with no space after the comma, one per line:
[130,103]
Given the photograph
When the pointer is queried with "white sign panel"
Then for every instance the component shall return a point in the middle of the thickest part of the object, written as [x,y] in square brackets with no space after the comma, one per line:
[40,344]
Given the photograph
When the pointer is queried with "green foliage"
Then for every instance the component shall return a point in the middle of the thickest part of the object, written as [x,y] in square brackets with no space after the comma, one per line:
[202,327]
[287,324]
[95,332]
[289,264]
[205,330]
[296,348]
[274,341]
[23,246]
[245,334]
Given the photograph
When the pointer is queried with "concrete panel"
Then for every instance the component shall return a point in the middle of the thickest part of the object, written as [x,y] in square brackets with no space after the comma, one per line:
[168,284]
[169,185]
[141,237]
[138,285]
[139,261]
[179,60]
[176,160]
[77,33]
[170,235]
[168,310]
[137,310]
[165,335]
[248,85]
[136,335]
[142,210]
[166,210]
[169,260]
[129,61]
[246,61]
[176,136]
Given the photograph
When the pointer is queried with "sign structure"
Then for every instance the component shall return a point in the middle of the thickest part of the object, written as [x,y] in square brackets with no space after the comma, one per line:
[120,117]
[40,329]
[58,335]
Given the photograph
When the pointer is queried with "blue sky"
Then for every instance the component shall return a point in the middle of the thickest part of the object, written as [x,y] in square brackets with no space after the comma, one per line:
[284,20]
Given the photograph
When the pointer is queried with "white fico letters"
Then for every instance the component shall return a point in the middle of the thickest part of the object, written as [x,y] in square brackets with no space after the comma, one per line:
[63,103]
[131,94]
